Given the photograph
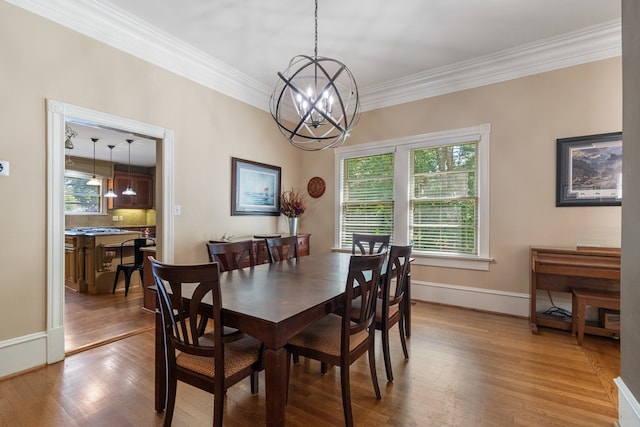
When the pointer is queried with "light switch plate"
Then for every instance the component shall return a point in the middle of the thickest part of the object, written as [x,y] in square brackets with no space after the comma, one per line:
[4,168]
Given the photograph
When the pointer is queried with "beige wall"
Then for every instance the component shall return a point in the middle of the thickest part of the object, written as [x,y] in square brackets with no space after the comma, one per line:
[42,60]
[527,116]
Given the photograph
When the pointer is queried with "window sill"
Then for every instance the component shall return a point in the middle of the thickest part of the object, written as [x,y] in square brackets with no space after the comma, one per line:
[452,261]
[447,261]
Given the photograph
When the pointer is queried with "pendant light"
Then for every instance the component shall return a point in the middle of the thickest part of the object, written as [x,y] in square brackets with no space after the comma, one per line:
[315,102]
[110,193]
[94,180]
[129,190]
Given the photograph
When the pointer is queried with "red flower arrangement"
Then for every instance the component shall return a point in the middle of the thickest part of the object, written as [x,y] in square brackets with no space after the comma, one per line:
[292,203]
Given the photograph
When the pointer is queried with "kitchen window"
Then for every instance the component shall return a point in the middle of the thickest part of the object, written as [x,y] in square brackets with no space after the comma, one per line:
[431,190]
[80,198]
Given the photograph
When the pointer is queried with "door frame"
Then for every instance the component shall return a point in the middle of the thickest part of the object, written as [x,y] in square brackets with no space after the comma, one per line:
[57,115]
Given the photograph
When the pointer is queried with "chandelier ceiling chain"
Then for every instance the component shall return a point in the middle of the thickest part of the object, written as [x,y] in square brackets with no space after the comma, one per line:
[129,191]
[315,102]
[111,193]
[94,180]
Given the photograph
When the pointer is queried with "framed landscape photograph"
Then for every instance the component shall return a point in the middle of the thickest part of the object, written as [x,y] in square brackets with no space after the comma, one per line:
[589,170]
[255,188]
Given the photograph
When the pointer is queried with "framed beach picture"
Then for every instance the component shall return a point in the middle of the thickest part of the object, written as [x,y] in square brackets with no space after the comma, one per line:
[589,170]
[255,188]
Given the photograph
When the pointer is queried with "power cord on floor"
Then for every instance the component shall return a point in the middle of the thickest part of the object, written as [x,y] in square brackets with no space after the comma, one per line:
[556,311]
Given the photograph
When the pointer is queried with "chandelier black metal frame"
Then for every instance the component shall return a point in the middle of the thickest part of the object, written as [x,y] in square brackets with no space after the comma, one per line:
[315,102]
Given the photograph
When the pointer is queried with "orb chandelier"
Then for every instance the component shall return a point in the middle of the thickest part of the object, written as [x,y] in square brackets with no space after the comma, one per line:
[315,102]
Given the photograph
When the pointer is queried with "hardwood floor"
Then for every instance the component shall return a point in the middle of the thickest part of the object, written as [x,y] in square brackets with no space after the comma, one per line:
[91,320]
[467,368]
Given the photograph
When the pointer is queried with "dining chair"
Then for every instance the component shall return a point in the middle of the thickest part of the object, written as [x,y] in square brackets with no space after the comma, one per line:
[276,248]
[275,251]
[232,255]
[390,307]
[130,267]
[367,244]
[203,360]
[339,340]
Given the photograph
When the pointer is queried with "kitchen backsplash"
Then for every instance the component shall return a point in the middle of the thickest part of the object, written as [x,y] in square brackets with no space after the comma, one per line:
[126,217]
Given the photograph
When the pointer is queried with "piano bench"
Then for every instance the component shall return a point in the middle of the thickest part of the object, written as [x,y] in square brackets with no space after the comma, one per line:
[583,298]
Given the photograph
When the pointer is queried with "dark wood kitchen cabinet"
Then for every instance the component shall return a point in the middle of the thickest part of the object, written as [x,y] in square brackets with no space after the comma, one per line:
[142,185]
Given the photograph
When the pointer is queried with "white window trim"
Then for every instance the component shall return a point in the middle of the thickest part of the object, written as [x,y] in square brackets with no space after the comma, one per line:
[401,148]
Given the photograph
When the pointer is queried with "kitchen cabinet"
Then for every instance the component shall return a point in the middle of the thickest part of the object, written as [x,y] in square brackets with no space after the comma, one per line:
[102,256]
[149,296]
[142,185]
[74,263]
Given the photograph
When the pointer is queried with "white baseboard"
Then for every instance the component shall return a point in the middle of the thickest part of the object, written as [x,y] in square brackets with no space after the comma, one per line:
[22,353]
[516,304]
[628,406]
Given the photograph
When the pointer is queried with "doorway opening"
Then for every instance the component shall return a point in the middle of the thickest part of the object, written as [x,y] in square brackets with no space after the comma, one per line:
[94,314]
[58,114]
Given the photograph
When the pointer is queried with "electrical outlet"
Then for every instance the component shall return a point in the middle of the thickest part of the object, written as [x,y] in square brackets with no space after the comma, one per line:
[4,168]
[114,218]
[120,218]
[177,210]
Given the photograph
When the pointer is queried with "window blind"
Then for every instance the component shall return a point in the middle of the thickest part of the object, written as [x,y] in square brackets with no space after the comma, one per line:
[367,197]
[444,199]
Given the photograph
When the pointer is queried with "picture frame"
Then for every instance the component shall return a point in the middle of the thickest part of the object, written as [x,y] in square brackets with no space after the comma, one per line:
[255,188]
[589,170]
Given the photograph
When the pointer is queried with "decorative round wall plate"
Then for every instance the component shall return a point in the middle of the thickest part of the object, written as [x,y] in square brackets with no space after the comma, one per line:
[316,187]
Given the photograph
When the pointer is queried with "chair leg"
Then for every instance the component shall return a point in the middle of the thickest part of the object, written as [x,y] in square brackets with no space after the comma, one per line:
[385,352]
[218,409]
[254,383]
[323,368]
[172,384]
[346,395]
[403,340]
[372,368]
[127,281]
[115,281]
[286,396]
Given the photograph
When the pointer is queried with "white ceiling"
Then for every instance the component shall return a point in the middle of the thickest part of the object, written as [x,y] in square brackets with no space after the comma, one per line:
[397,51]
[143,150]
[379,40]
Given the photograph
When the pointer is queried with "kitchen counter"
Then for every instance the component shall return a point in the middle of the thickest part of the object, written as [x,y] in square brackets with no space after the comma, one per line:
[96,231]
[149,296]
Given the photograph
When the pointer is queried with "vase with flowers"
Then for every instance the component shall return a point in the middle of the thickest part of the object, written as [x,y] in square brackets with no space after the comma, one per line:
[292,205]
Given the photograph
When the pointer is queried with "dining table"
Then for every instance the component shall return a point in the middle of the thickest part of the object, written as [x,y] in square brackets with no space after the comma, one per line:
[273,302]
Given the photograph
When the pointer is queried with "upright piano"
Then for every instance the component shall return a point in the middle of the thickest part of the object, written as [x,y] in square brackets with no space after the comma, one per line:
[562,270]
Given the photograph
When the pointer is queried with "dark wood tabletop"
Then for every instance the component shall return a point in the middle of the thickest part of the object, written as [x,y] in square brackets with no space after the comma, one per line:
[273,302]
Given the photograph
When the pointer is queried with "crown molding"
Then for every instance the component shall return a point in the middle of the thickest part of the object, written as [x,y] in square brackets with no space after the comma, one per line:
[575,48]
[123,31]
[117,28]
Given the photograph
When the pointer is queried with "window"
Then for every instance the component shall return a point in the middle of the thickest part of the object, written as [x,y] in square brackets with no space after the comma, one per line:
[430,189]
[367,196]
[80,198]
[444,199]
